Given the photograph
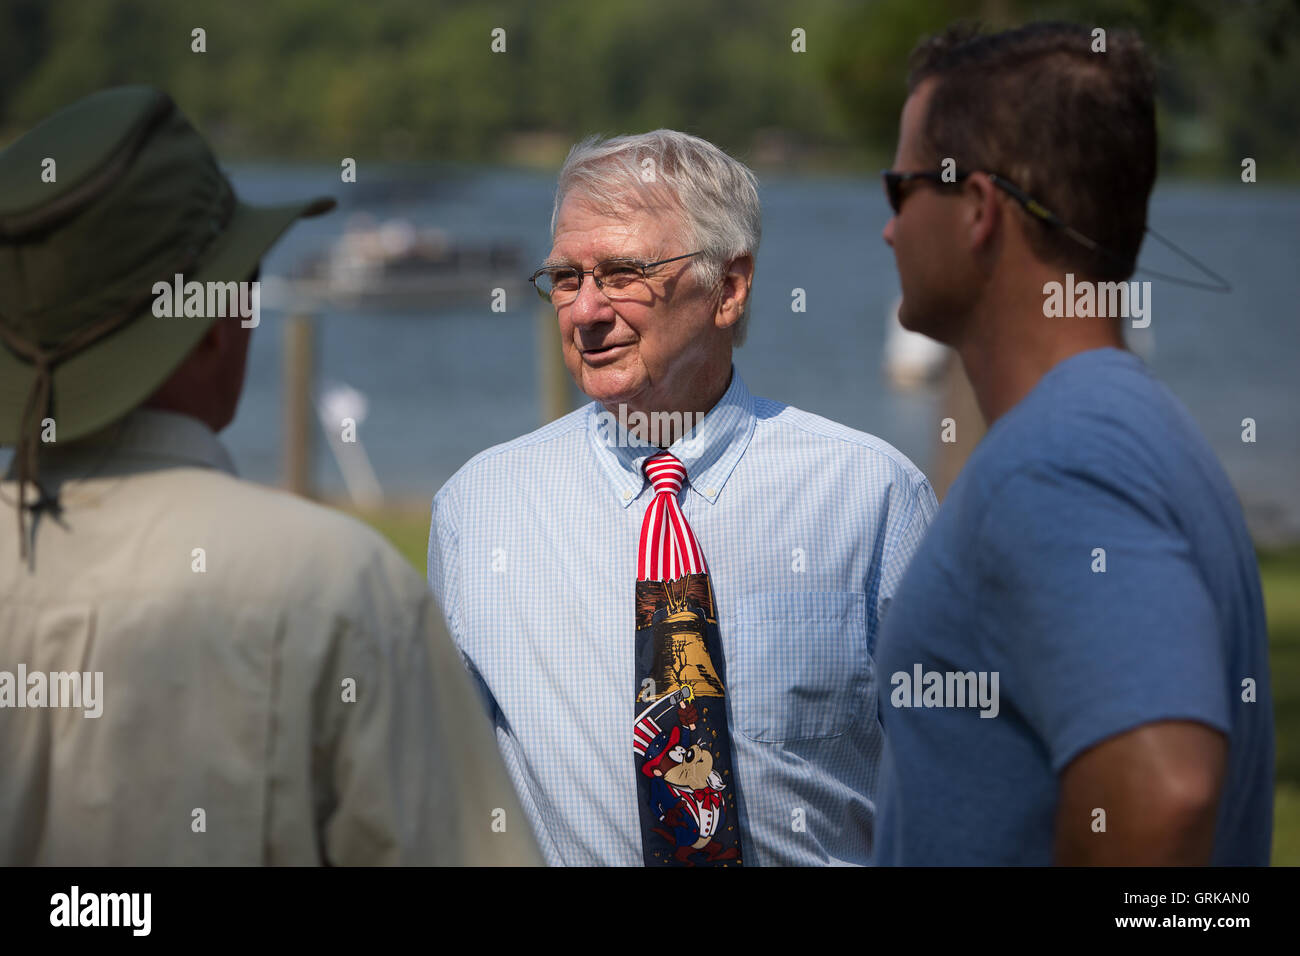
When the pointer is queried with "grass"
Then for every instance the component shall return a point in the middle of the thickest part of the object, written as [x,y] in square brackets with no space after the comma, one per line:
[1280,573]
[408,530]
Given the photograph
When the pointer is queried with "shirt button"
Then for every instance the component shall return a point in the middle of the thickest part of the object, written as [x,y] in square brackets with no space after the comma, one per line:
[710,491]
[627,495]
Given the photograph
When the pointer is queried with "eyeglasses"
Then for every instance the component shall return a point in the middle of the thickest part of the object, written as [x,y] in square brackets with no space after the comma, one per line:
[616,278]
[894,181]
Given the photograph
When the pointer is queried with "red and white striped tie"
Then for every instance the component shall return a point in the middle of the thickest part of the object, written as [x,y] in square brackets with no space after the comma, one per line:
[668,547]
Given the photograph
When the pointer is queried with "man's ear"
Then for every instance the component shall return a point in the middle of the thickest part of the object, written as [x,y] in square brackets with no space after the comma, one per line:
[220,343]
[215,339]
[983,211]
[737,281]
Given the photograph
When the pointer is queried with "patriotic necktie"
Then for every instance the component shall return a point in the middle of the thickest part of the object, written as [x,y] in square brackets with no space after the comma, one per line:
[685,784]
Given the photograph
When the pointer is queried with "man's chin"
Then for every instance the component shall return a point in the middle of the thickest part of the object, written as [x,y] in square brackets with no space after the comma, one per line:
[915,320]
[907,318]
[609,386]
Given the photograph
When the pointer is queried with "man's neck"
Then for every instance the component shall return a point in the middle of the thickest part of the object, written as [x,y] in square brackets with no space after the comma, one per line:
[1010,345]
[664,425]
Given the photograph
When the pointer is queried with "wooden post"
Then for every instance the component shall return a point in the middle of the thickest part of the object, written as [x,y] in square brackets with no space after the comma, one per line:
[299,417]
[554,399]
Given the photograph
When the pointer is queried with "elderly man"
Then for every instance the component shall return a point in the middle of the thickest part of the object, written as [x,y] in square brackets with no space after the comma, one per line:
[194,669]
[1092,556]
[670,597]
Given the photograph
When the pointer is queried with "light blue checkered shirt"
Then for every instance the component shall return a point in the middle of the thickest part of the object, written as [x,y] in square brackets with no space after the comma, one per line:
[807,527]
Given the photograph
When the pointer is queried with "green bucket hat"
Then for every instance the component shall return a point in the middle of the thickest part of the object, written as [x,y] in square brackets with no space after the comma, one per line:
[137,198]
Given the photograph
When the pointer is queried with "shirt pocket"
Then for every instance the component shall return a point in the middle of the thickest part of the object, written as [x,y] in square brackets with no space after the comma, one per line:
[798,666]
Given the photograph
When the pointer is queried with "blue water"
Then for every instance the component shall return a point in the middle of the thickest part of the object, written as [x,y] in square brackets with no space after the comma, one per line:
[444,386]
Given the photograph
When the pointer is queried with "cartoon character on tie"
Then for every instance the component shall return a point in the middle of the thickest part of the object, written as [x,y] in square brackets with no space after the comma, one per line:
[685,790]
[686,785]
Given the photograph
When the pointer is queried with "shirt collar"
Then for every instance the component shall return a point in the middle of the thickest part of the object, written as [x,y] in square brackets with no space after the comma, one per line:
[145,437]
[710,452]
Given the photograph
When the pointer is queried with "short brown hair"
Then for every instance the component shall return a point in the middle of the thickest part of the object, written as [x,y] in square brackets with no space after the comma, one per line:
[1072,128]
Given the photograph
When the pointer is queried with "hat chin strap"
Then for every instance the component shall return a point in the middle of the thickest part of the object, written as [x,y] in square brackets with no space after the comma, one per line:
[41,392]
[38,401]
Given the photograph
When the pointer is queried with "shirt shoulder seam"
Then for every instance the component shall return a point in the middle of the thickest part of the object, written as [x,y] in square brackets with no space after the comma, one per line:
[858,438]
[553,431]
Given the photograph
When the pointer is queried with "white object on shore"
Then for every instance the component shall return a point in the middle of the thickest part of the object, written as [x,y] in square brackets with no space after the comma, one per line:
[336,403]
[910,359]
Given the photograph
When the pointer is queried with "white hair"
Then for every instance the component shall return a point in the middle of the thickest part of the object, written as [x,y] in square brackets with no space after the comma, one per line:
[714,197]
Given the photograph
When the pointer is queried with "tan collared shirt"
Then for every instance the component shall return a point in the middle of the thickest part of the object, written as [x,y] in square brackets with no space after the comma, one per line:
[274,682]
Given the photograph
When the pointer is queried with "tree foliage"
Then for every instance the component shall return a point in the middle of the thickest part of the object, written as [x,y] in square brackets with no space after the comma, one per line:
[401,79]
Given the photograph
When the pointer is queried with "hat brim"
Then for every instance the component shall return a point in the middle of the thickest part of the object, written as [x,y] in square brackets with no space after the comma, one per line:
[111,377]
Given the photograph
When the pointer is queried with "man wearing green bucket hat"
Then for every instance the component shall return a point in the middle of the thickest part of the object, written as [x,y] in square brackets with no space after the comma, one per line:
[194,669]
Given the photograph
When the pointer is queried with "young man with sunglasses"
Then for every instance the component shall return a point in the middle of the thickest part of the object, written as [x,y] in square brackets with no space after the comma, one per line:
[1091,562]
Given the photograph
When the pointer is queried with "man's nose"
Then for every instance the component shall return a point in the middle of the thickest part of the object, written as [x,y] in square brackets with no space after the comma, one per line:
[591,305]
[888,232]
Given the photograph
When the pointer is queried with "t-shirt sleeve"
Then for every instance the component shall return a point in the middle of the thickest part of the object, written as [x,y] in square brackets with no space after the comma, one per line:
[1096,611]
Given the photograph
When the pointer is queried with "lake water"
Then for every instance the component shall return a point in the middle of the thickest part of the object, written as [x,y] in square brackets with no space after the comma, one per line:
[443,386]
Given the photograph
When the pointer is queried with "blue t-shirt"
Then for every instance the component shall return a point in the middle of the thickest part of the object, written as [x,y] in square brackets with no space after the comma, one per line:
[1099,463]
